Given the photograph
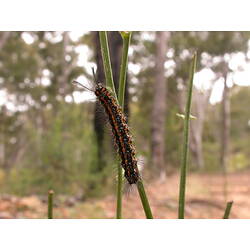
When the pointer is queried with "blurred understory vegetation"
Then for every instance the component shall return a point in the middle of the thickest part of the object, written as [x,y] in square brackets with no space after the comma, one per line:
[47,141]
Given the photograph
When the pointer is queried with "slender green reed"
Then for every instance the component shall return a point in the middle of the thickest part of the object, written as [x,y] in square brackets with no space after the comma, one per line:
[228,210]
[50,204]
[119,193]
[144,200]
[110,83]
[126,36]
[106,61]
[182,188]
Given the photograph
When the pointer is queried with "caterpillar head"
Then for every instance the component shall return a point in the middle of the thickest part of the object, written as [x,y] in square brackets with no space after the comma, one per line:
[99,89]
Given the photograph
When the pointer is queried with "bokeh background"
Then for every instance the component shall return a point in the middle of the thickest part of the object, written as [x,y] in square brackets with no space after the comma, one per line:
[54,135]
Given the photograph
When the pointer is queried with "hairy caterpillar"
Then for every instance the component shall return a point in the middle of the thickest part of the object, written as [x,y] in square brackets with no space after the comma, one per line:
[120,132]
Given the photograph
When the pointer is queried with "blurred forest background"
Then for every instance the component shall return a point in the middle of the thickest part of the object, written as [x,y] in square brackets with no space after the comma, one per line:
[54,135]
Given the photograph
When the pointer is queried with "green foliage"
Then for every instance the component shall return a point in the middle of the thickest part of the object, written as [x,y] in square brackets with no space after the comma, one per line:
[184,160]
[228,210]
[59,158]
[121,92]
[50,204]
[174,126]
[49,143]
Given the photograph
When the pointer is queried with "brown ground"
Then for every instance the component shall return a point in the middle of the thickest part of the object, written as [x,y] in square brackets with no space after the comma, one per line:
[205,199]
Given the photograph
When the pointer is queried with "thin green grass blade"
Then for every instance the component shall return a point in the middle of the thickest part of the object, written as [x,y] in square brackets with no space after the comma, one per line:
[126,37]
[106,61]
[122,81]
[119,193]
[182,188]
[110,83]
[228,210]
[144,200]
[50,204]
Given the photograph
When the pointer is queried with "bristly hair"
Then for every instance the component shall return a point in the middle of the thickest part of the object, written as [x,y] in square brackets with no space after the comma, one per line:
[121,133]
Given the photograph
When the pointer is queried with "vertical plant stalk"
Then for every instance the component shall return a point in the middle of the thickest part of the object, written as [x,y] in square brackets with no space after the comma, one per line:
[228,210]
[182,188]
[119,193]
[50,204]
[106,61]
[144,200]
[110,83]
[126,37]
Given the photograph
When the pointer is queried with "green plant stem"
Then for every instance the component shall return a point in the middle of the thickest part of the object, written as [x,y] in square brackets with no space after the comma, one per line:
[228,210]
[119,193]
[182,189]
[50,204]
[122,82]
[126,37]
[106,61]
[110,83]
[144,200]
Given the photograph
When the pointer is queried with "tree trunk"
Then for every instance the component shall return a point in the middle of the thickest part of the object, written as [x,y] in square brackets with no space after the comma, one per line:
[99,116]
[200,101]
[66,69]
[225,126]
[115,44]
[225,133]
[2,137]
[159,107]
[3,39]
